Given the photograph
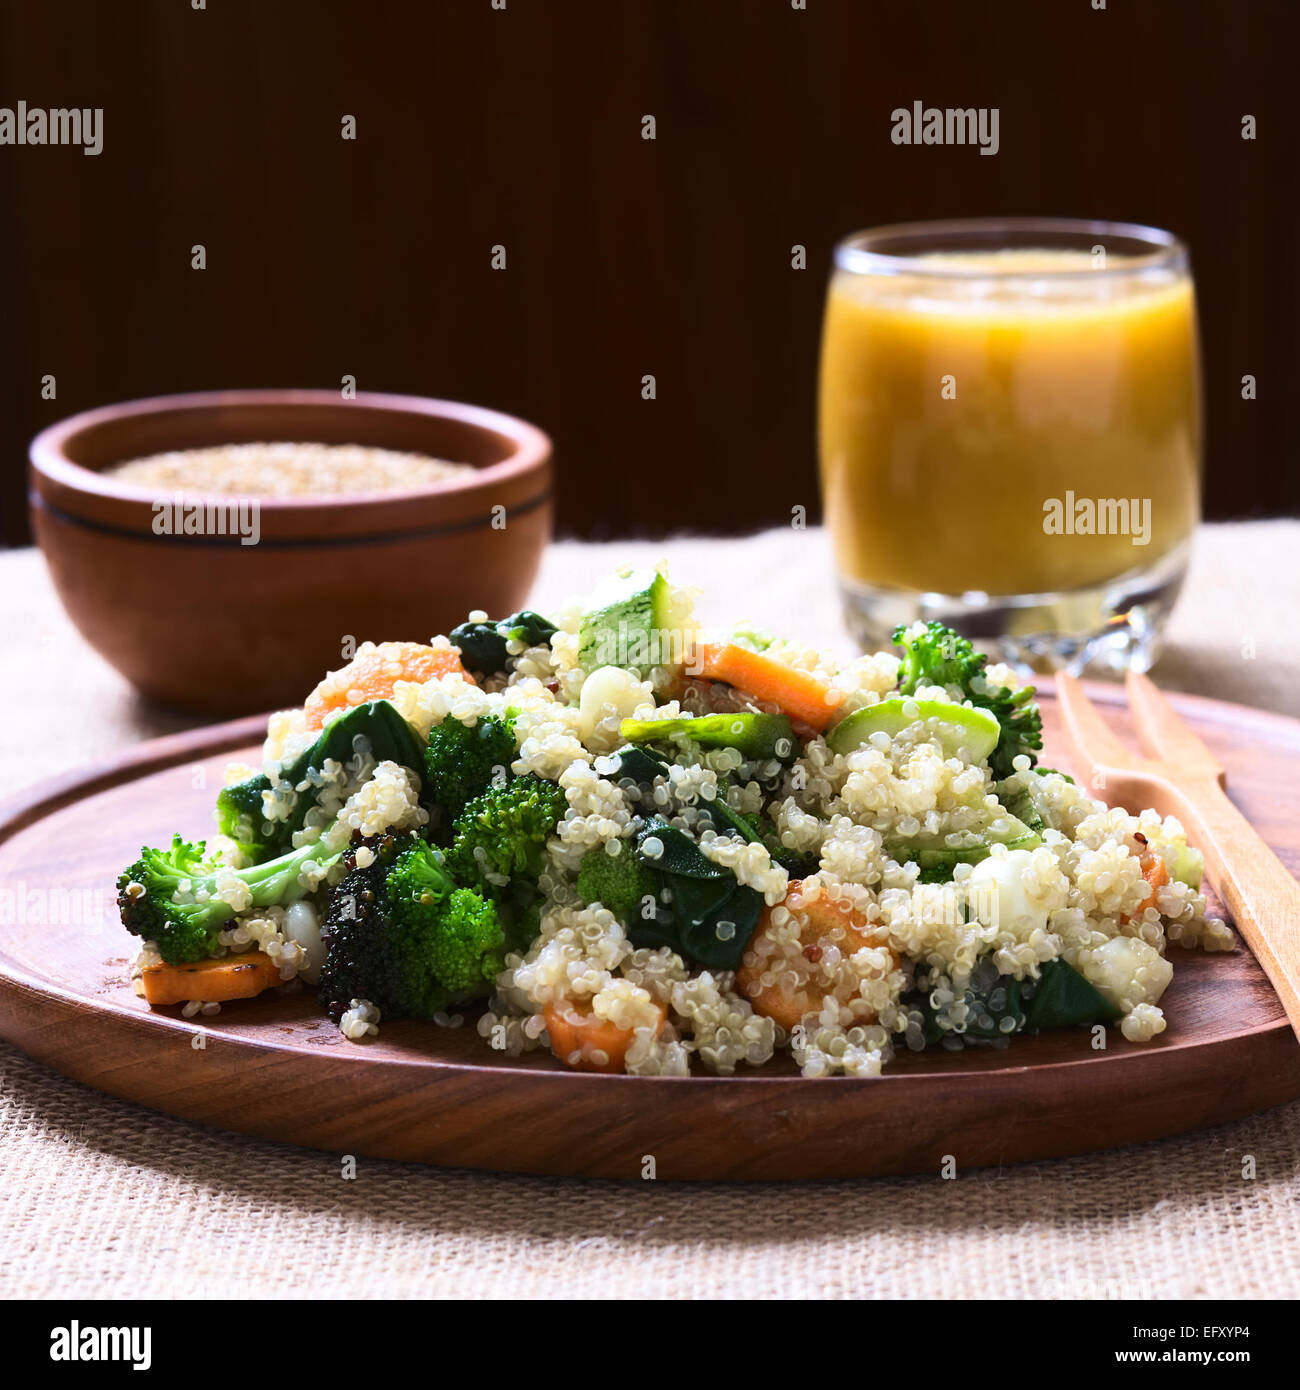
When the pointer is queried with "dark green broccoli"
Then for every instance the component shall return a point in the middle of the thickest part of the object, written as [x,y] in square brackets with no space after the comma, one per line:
[241,816]
[188,930]
[400,933]
[462,760]
[499,839]
[939,656]
[620,882]
[483,644]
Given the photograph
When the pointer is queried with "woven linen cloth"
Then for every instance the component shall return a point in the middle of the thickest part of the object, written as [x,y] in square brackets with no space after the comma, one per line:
[103,1199]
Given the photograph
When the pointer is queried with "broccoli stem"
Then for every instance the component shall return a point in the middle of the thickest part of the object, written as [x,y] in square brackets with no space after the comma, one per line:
[271,884]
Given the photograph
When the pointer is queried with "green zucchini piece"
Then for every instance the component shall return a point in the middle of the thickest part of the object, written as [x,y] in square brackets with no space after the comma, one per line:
[1189,866]
[627,624]
[937,860]
[1022,805]
[754,735]
[961,730]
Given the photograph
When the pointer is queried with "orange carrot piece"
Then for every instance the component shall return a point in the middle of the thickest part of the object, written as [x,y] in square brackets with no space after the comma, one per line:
[587,1043]
[373,674]
[213,981]
[795,991]
[795,692]
[1156,875]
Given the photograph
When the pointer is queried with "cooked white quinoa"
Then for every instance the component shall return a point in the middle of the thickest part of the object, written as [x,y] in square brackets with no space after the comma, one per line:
[286,470]
[1077,895]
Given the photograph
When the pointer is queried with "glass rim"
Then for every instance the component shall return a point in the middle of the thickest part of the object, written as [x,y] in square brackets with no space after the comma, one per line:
[855,254]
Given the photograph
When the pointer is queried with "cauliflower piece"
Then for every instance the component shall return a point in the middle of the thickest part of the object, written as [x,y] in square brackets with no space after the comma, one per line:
[1128,972]
[609,695]
[998,896]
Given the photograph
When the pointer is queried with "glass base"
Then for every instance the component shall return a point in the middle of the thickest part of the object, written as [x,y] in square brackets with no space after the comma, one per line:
[1115,626]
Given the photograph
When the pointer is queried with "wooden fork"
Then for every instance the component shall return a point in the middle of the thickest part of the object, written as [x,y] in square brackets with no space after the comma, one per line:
[1182,778]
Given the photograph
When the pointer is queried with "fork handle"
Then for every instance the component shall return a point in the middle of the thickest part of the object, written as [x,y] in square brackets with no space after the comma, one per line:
[1261,894]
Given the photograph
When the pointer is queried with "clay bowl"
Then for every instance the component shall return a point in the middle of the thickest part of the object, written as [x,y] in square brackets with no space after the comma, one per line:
[208,624]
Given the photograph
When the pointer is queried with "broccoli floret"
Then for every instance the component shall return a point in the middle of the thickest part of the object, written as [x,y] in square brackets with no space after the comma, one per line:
[939,656]
[401,933]
[500,837]
[188,930]
[935,656]
[463,760]
[483,644]
[241,815]
[620,882]
[447,940]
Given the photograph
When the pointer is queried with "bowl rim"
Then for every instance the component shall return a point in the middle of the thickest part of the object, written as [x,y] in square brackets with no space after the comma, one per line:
[532,446]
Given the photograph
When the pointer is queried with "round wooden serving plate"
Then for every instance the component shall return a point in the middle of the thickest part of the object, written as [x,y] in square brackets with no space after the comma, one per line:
[277,1068]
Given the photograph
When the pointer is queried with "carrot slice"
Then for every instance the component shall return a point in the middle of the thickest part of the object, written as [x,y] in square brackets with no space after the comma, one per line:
[213,981]
[373,674]
[792,988]
[587,1043]
[1156,875]
[795,692]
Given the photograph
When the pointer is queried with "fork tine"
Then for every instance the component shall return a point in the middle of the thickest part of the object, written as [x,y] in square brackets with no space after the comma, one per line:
[1162,732]
[1091,735]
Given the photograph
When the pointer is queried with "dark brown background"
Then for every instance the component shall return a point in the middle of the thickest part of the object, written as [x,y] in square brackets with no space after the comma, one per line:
[626,257]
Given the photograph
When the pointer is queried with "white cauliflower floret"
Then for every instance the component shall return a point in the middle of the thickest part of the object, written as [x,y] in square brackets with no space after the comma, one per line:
[998,894]
[1127,971]
[609,695]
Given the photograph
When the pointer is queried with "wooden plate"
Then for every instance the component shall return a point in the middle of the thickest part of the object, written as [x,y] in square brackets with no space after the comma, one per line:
[277,1068]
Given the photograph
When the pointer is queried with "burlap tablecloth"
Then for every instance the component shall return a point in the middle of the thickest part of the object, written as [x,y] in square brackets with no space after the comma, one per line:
[99,1198]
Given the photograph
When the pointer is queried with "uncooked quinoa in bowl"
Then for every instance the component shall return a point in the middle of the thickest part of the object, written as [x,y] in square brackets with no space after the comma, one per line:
[283,469]
[659,850]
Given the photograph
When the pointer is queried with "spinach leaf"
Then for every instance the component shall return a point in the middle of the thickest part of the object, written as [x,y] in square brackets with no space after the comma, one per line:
[639,764]
[1063,997]
[390,737]
[681,856]
[708,917]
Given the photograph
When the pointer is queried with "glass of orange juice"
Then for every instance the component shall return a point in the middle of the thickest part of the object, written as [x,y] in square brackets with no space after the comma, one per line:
[1010,434]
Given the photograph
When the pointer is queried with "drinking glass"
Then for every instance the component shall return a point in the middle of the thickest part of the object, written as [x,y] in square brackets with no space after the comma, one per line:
[1010,434]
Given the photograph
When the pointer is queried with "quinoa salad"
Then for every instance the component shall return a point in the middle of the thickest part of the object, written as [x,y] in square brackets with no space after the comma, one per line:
[659,850]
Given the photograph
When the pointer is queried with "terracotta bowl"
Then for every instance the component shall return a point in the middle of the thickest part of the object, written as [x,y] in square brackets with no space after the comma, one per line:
[208,624]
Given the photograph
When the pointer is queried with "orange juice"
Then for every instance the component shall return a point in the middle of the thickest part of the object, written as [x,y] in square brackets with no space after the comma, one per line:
[972,404]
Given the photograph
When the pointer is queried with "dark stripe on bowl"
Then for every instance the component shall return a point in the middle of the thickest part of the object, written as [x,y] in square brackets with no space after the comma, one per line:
[288,543]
